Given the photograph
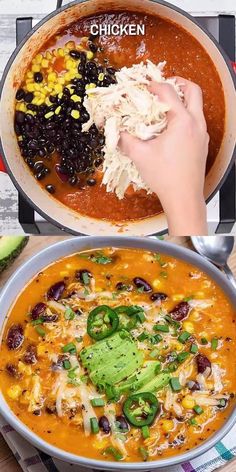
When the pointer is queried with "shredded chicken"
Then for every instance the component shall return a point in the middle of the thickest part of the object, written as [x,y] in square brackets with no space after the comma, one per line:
[127,106]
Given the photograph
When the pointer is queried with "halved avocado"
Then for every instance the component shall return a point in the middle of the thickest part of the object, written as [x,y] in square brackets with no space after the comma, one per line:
[10,248]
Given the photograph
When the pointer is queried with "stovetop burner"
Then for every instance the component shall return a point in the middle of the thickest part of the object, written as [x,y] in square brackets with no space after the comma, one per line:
[222,27]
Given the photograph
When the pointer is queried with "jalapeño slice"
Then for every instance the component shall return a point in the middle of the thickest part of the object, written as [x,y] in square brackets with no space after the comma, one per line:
[141,409]
[102,322]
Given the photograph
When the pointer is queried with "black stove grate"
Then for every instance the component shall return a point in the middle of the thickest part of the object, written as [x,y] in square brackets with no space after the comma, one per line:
[227,193]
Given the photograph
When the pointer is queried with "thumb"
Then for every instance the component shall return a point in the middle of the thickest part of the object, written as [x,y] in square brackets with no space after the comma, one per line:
[132,147]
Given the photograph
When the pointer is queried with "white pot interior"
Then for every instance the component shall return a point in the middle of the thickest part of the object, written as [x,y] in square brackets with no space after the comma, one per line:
[41,199]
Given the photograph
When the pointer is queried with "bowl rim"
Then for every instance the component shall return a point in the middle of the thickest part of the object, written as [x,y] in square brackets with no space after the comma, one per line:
[34,205]
[67,247]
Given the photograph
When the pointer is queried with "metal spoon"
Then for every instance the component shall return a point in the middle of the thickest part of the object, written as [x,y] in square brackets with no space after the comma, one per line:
[217,250]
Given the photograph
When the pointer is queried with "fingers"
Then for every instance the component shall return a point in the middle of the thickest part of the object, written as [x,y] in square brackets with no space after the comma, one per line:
[167,94]
[193,97]
[131,146]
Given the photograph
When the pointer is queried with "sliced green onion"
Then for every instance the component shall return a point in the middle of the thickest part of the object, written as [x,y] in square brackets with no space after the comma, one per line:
[144,453]
[162,328]
[79,340]
[143,336]
[145,432]
[182,356]
[193,349]
[193,422]
[164,274]
[198,409]
[114,452]
[97,402]
[94,425]
[175,384]
[40,331]
[157,339]
[183,337]
[86,278]
[154,354]
[70,347]
[67,364]
[69,314]
[214,344]
[37,322]
[187,299]
[204,341]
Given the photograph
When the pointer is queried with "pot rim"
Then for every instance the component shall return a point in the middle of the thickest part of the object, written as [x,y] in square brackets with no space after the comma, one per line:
[67,247]
[4,77]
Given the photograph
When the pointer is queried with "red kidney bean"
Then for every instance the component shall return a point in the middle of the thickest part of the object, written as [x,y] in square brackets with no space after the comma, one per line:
[202,363]
[158,296]
[50,318]
[51,409]
[38,310]
[15,337]
[141,283]
[180,311]
[30,356]
[12,370]
[123,425]
[104,424]
[55,292]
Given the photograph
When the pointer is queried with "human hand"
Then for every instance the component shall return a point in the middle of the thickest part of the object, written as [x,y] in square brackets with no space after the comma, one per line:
[173,164]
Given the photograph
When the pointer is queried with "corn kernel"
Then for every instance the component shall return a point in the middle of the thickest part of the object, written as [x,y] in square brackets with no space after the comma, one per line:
[49,115]
[22,107]
[24,369]
[70,45]
[38,59]
[47,102]
[177,297]
[90,86]
[200,294]
[45,63]
[89,55]
[40,101]
[20,138]
[60,95]
[75,114]
[52,77]
[58,88]
[31,112]
[30,87]
[48,56]
[177,345]
[188,326]
[57,111]
[60,52]
[78,76]
[167,425]
[156,283]
[61,80]
[44,91]
[51,85]
[75,98]
[188,402]
[67,77]
[35,68]
[30,75]
[37,87]
[14,392]
[101,77]
[29,81]
[42,350]
[194,315]
[69,64]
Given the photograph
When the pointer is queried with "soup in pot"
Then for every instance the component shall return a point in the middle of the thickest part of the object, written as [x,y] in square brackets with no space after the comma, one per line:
[50,113]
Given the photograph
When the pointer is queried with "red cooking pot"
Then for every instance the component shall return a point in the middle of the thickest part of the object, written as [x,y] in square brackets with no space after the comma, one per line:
[46,205]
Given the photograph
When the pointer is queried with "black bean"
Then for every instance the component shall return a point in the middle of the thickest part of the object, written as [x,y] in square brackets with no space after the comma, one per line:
[104,424]
[98,162]
[53,99]
[30,356]
[38,166]
[143,284]
[20,117]
[93,47]
[17,130]
[50,188]
[202,363]
[29,97]
[55,291]
[81,274]
[91,182]
[75,54]
[158,296]
[73,180]
[38,310]
[12,370]
[42,152]
[38,77]
[20,94]
[123,425]
[40,175]
[50,318]
[15,337]
[111,70]
[180,311]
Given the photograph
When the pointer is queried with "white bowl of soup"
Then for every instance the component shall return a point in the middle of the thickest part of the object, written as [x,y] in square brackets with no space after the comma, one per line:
[118,353]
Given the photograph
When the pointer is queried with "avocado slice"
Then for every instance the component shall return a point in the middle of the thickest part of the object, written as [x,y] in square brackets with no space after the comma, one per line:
[118,368]
[10,248]
[99,353]
[140,378]
[159,382]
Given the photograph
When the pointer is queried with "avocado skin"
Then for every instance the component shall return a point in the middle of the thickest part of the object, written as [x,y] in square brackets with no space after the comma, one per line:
[10,248]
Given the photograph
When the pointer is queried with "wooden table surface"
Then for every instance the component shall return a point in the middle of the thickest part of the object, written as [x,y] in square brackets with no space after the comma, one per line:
[7,461]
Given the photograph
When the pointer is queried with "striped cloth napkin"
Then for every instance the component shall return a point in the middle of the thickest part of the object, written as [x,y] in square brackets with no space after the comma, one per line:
[33,460]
